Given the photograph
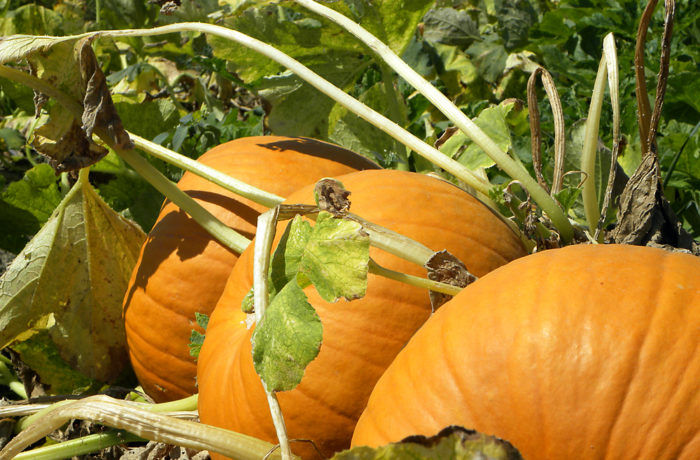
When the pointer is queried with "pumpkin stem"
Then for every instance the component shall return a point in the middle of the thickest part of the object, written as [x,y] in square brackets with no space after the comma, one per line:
[509,165]
[264,236]
[207,172]
[141,420]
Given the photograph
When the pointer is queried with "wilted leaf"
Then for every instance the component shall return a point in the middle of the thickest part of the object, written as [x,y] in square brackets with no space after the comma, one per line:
[70,279]
[454,443]
[69,65]
[287,339]
[446,268]
[336,258]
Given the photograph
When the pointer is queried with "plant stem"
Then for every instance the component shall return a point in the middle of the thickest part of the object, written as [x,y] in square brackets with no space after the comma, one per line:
[80,446]
[327,88]
[227,182]
[8,378]
[264,236]
[454,114]
[613,84]
[590,146]
[186,404]
[417,281]
[224,234]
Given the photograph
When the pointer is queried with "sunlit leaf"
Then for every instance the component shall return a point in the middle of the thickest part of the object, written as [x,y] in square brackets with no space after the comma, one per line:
[336,258]
[287,339]
[70,279]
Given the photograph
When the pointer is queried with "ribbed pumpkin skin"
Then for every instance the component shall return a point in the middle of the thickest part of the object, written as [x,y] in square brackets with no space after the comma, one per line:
[182,270]
[360,338]
[586,352]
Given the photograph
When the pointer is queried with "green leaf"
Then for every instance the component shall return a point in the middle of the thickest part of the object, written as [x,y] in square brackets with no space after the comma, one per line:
[298,109]
[450,27]
[490,58]
[25,205]
[358,135]
[31,19]
[147,118]
[70,279]
[453,443]
[39,352]
[196,337]
[336,259]
[496,122]
[284,265]
[515,19]
[287,339]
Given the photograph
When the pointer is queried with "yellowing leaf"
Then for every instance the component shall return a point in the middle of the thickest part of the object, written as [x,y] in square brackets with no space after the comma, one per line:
[70,279]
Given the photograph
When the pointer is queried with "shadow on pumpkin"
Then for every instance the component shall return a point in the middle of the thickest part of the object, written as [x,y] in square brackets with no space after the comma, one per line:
[177,232]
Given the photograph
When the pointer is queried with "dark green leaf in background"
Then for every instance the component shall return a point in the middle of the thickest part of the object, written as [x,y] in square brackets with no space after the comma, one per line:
[450,27]
[25,205]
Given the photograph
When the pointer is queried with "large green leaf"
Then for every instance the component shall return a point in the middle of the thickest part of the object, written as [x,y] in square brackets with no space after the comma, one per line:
[287,339]
[297,108]
[70,280]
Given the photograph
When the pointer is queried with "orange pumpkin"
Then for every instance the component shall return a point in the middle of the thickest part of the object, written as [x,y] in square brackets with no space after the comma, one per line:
[182,270]
[582,352]
[360,338]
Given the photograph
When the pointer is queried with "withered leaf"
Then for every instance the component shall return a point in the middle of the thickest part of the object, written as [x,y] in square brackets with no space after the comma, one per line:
[446,268]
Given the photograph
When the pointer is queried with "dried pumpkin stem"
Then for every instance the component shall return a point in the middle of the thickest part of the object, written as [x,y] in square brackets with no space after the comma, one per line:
[454,114]
[559,128]
[133,417]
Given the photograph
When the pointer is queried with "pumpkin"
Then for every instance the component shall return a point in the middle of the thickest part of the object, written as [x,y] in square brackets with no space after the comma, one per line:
[583,352]
[182,270]
[361,337]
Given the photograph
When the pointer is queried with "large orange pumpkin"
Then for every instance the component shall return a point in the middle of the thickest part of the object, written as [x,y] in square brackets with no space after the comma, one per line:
[360,338]
[589,352]
[182,269]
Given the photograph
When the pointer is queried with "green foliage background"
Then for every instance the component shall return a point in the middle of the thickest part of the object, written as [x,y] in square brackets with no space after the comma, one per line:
[193,92]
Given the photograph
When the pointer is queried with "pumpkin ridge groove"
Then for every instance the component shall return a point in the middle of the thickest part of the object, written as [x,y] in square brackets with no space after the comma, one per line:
[343,350]
[632,376]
